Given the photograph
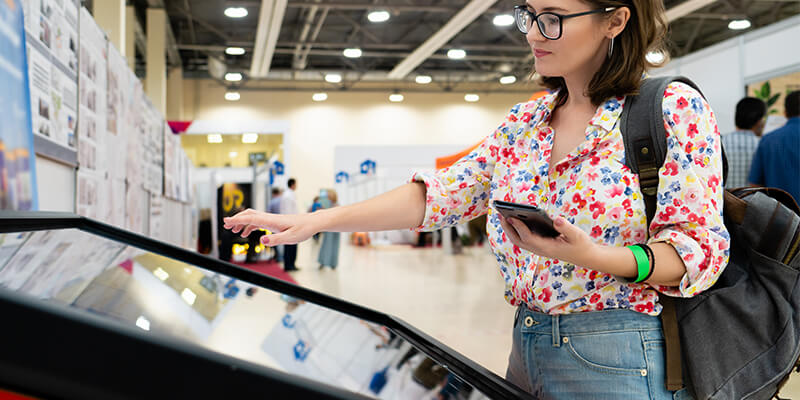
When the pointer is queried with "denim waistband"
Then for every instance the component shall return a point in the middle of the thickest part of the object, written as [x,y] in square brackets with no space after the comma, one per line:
[586,322]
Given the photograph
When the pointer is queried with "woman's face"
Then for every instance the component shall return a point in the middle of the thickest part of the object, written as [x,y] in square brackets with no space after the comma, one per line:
[582,47]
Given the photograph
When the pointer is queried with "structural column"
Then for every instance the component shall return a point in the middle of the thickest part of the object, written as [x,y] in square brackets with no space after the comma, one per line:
[129,51]
[157,58]
[175,94]
[110,15]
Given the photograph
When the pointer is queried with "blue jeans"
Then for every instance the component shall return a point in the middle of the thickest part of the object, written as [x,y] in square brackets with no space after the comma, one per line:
[614,355]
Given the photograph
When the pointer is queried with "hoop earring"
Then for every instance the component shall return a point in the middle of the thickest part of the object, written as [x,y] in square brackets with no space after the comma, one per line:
[611,48]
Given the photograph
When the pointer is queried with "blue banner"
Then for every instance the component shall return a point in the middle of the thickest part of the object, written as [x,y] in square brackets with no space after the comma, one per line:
[17,166]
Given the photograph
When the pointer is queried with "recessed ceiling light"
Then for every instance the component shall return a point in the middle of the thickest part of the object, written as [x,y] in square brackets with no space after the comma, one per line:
[352,53]
[234,51]
[378,16]
[508,79]
[233,154]
[188,296]
[456,54]
[232,96]
[472,97]
[319,97]
[739,24]
[333,78]
[503,20]
[236,12]
[655,57]
[233,77]
[424,79]
[396,98]
[249,138]
[215,138]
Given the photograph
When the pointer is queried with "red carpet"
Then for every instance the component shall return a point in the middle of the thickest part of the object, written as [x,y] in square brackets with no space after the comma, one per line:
[270,268]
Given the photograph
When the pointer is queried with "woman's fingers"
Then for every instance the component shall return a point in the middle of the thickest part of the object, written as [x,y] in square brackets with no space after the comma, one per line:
[249,230]
[510,231]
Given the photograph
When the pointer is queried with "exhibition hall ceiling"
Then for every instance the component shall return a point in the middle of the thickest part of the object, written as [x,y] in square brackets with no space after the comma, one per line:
[298,42]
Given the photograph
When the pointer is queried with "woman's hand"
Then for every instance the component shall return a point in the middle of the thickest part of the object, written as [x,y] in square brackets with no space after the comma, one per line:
[289,229]
[573,245]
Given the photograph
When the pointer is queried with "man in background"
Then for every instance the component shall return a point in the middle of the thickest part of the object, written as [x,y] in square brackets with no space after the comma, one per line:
[289,206]
[741,144]
[777,159]
[274,207]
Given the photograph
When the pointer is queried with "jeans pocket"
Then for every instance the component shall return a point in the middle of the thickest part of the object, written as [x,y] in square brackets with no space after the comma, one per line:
[618,353]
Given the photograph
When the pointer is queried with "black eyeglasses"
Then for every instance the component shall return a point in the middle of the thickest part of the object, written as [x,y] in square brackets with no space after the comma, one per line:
[549,23]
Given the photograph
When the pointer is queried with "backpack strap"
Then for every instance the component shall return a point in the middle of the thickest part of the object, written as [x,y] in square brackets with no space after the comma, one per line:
[645,139]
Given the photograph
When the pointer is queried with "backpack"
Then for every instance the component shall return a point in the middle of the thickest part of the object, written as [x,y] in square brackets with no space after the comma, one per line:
[740,339]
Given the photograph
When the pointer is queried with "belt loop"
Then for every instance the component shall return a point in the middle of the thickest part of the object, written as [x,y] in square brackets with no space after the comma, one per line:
[516,316]
[556,333]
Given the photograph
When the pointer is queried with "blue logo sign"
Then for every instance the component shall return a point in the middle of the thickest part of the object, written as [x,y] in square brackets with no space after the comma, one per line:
[342,177]
[368,166]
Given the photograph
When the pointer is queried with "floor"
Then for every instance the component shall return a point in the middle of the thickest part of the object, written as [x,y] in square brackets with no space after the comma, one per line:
[457,299]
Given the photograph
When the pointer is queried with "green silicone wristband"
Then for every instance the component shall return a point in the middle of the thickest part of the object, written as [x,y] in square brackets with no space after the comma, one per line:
[642,263]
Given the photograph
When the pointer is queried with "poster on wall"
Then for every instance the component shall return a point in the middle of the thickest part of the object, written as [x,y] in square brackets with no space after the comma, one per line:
[152,147]
[156,215]
[53,61]
[17,167]
[116,122]
[172,165]
[137,205]
[92,191]
[132,117]
[92,96]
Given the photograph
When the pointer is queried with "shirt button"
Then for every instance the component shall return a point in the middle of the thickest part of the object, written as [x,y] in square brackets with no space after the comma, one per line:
[529,322]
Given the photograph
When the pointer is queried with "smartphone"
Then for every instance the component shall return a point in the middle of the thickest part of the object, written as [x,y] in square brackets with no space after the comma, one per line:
[536,219]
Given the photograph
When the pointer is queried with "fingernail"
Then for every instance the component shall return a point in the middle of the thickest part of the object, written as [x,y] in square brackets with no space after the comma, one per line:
[264,240]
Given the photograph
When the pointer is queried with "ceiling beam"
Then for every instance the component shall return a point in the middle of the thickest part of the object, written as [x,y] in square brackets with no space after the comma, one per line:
[269,28]
[686,8]
[466,16]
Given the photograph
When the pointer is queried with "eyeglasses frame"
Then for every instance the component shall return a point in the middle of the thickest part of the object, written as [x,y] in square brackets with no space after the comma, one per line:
[524,9]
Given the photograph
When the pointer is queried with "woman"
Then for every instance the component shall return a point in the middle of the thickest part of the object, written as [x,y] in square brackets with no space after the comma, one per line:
[583,329]
[329,251]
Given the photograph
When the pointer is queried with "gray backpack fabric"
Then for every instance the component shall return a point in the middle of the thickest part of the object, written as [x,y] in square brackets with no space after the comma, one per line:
[741,338]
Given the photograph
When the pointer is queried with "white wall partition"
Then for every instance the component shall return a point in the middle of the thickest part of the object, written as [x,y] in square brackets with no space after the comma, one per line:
[722,71]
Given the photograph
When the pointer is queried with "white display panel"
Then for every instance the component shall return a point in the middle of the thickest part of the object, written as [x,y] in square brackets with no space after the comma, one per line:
[92,96]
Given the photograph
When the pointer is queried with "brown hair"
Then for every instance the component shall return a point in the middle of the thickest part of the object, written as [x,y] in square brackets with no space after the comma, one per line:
[622,73]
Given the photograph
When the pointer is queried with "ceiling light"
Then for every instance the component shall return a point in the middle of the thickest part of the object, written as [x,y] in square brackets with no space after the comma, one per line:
[424,79]
[319,97]
[378,16]
[472,97]
[503,20]
[739,24]
[508,79]
[456,54]
[505,68]
[161,274]
[333,78]
[233,77]
[233,154]
[215,138]
[236,12]
[188,296]
[234,51]
[655,57]
[352,53]
[232,96]
[143,323]
[396,98]
[249,138]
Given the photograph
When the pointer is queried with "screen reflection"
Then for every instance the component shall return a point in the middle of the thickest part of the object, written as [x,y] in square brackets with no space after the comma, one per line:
[164,296]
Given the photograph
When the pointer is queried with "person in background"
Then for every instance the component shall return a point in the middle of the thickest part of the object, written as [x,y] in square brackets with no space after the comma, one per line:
[274,207]
[777,159]
[741,144]
[329,252]
[289,207]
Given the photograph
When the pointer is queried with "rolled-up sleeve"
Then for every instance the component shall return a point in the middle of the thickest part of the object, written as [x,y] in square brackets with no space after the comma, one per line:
[460,192]
[690,191]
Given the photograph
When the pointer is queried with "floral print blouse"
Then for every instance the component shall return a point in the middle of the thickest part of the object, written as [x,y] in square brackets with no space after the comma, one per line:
[593,189]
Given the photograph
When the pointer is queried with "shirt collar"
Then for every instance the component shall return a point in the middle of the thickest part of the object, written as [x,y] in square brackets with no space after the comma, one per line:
[608,114]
